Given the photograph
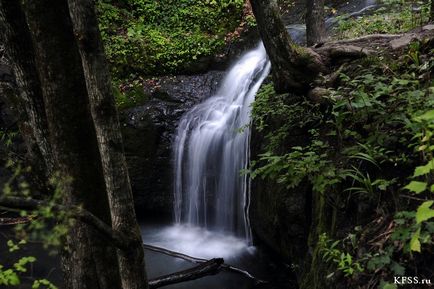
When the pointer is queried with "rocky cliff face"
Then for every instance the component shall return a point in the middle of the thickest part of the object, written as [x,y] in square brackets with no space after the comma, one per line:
[280,217]
[149,129]
[148,132]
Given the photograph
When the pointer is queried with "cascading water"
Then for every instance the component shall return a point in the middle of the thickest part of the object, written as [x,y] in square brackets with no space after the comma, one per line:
[211,149]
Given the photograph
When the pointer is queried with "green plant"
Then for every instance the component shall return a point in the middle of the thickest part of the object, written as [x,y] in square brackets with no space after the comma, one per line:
[300,163]
[11,276]
[162,37]
[343,261]
[47,225]
[365,135]
[423,176]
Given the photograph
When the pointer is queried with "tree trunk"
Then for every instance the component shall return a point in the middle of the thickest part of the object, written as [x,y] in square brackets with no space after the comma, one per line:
[431,12]
[105,117]
[315,24]
[90,261]
[27,98]
[293,67]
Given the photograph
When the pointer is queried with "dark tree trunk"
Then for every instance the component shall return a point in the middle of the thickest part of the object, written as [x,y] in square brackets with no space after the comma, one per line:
[90,262]
[315,24]
[431,13]
[293,67]
[105,117]
[26,97]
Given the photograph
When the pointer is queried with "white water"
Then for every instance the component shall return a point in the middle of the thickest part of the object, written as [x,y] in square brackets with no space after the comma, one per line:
[199,242]
[210,151]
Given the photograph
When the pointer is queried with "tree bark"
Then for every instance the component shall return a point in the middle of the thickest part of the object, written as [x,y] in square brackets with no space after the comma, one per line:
[293,67]
[105,117]
[315,24]
[90,261]
[26,99]
[210,267]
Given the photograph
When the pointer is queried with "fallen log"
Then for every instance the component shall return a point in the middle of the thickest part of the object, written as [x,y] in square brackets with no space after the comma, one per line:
[210,267]
[225,267]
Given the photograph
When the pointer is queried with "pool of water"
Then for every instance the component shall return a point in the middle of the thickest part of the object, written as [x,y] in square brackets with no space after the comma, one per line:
[202,243]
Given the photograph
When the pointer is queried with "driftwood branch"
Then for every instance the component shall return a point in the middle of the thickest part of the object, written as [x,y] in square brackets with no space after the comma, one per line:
[192,259]
[210,267]
[118,239]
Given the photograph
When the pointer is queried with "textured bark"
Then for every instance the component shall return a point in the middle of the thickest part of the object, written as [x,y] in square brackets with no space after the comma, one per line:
[293,67]
[26,97]
[315,23]
[210,267]
[105,117]
[90,262]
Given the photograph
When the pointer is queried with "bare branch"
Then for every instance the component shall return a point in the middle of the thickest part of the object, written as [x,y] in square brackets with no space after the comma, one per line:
[119,240]
[15,221]
[210,267]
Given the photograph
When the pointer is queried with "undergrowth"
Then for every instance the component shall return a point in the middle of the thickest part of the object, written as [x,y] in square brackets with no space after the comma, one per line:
[161,37]
[370,145]
[392,16]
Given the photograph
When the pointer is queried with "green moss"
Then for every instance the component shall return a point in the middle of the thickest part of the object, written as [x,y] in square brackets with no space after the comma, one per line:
[314,277]
[131,97]
[163,37]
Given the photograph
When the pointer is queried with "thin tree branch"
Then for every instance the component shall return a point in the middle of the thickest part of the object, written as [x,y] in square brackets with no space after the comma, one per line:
[210,267]
[15,221]
[119,240]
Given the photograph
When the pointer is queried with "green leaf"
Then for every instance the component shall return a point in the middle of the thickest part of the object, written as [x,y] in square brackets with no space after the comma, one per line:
[423,170]
[427,116]
[389,286]
[424,212]
[397,269]
[416,187]
[414,242]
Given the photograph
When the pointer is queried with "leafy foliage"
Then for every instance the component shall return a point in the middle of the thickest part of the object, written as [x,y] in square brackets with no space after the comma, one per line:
[366,137]
[47,226]
[160,37]
[11,276]
[330,252]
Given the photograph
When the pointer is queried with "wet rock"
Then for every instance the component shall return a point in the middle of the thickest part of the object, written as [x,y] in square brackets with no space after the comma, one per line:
[148,131]
[318,95]
[428,27]
[280,216]
[402,42]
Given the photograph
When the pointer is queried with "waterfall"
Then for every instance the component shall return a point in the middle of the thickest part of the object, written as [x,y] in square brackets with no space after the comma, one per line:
[212,147]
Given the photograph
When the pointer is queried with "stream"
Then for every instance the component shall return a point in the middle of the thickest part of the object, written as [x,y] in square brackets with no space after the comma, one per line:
[211,207]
